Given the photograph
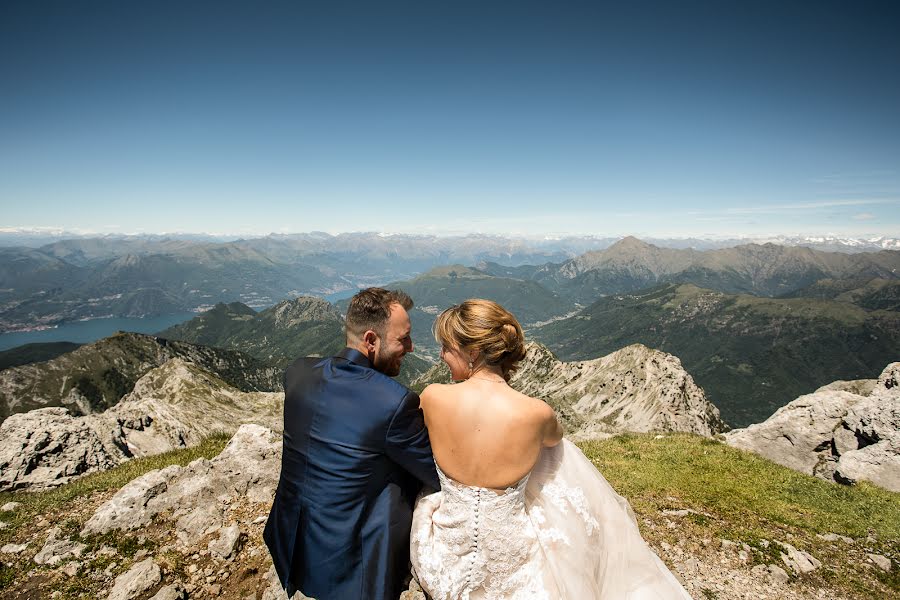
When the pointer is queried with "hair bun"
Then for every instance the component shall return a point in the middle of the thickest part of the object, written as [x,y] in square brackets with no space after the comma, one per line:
[510,336]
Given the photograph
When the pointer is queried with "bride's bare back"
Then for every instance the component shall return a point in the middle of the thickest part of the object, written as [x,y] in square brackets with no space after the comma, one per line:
[485,434]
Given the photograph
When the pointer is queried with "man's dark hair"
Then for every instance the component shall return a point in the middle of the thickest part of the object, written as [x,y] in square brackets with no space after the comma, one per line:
[371,309]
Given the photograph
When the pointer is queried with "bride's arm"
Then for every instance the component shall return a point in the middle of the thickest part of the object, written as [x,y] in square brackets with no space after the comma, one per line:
[553,429]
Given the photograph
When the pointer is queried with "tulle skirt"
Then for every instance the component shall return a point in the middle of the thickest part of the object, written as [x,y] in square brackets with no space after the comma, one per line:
[582,536]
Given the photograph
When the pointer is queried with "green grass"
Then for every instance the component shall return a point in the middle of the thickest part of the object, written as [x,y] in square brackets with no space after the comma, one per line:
[40,503]
[751,500]
[740,487]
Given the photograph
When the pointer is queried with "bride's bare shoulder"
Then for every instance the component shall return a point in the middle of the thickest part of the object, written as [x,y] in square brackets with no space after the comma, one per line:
[435,391]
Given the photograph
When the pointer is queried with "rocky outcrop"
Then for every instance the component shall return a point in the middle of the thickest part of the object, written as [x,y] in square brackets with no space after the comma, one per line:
[844,431]
[96,376]
[173,406]
[633,389]
[194,498]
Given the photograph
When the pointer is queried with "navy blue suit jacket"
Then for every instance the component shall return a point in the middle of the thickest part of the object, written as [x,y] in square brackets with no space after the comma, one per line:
[355,454]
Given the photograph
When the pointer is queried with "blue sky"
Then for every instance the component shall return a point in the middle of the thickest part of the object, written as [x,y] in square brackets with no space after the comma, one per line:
[657,119]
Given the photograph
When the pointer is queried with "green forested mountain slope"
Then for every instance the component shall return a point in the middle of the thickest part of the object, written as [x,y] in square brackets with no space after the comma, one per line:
[304,326]
[96,376]
[751,355]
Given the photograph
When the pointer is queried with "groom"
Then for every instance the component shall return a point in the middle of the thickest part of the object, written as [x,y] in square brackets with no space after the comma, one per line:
[355,454]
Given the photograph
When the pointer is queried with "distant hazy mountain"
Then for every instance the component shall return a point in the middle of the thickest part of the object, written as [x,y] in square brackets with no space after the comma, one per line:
[96,376]
[138,276]
[767,270]
[751,355]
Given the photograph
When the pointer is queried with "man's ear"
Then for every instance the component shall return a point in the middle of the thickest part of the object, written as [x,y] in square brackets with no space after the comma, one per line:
[369,338]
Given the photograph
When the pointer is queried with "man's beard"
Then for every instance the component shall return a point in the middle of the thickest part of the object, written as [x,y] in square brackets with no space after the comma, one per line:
[388,364]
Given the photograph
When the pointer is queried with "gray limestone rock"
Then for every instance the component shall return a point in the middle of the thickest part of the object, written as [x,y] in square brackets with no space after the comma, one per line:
[228,543]
[833,537]
[13,548]
[770,575]
[137,580]
[194,494]
[48,447]
[199,522]
[57,549]
[10,507]
[173,406]
[174,591]
[797,560]
[128,508]
[835,434]
[883,562]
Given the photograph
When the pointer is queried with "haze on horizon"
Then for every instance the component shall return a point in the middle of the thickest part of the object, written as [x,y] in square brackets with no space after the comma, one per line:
[652,119]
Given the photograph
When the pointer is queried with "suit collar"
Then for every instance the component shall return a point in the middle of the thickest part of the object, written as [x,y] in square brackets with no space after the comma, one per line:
[355,356]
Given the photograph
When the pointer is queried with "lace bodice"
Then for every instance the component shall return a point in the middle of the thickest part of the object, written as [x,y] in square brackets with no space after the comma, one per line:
[486,542]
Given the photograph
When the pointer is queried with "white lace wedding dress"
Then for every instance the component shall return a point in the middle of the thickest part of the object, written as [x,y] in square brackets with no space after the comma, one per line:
[560,533]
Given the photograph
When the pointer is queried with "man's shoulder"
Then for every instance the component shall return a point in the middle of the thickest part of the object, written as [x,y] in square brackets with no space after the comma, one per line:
[345,369]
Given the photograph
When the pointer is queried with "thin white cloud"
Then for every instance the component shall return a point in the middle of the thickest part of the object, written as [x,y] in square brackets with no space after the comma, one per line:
[792,207]
[863,217]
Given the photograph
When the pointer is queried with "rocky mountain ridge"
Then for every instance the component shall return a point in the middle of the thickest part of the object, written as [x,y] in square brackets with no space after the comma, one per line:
[633,389]
[195,532]
[176,405]
[96,376]
[845,431]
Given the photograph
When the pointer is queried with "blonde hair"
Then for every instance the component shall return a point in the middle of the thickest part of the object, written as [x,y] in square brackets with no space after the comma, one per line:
[487,327]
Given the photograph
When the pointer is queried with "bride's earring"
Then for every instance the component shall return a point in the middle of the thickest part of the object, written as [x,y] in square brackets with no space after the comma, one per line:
[471,368]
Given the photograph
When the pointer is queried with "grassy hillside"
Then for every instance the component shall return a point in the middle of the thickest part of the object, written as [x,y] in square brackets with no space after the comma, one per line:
[751,355]
[738,496]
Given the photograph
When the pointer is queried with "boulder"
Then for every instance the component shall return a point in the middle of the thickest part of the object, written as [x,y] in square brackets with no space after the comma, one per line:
[48,447]
[57,549]
[798,561]
[227,544]
[882,562]
[140,578]
[193,495]
[835,434]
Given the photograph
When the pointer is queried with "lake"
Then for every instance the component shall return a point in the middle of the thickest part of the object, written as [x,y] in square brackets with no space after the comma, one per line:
[83,332]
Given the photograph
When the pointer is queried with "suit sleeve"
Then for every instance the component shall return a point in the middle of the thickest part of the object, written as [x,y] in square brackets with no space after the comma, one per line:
[407,442]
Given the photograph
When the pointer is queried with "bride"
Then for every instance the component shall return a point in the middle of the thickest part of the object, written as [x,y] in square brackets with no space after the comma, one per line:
[521,512]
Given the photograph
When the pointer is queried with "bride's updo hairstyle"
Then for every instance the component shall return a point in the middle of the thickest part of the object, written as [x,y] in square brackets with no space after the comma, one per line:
[484,326]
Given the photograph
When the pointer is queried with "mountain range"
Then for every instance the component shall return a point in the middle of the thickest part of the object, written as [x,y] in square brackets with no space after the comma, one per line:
[751,354]
[85,278]
[763,270]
